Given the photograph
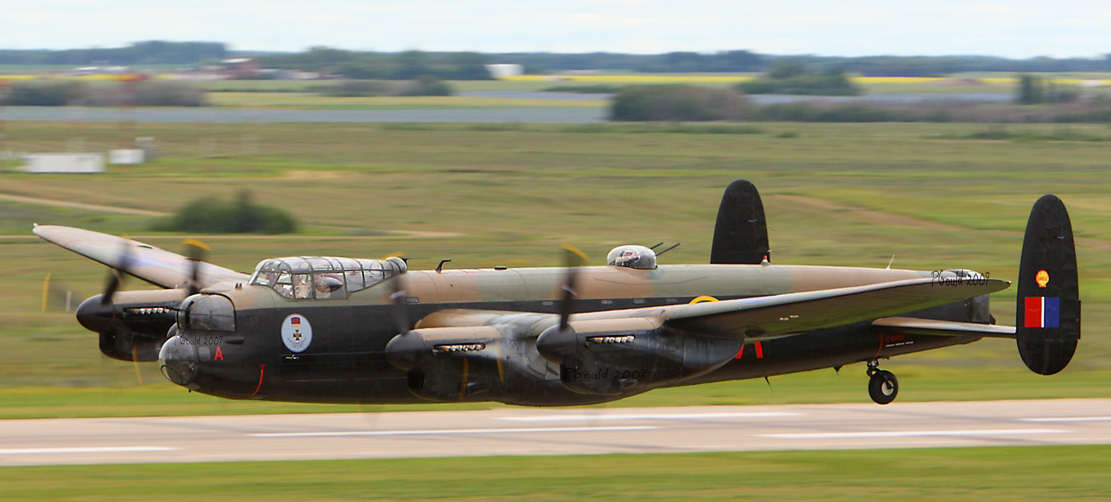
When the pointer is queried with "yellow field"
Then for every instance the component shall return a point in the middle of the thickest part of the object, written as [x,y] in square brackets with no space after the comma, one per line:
[701,78]
[632,79]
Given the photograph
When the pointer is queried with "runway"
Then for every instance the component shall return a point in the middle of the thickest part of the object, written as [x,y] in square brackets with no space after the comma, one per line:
[547,431]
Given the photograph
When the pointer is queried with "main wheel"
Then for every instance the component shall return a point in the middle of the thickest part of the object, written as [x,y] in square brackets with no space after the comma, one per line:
[883,387]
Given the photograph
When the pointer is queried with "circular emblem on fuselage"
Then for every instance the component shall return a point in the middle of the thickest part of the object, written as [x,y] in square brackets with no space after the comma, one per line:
[296,332]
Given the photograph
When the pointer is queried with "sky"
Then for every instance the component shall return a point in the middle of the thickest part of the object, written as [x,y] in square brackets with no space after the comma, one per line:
[1017,28]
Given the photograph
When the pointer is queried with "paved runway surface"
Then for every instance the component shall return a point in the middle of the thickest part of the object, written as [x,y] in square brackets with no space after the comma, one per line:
[531,431]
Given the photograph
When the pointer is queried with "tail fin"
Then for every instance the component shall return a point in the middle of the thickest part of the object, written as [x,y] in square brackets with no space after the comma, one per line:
[1047,319]
[741,232]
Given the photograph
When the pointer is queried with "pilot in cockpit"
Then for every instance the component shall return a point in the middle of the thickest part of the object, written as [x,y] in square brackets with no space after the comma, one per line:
[328,285]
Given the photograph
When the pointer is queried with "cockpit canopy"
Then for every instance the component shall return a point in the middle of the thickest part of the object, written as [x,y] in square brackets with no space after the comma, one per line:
[323,277]
[632,256]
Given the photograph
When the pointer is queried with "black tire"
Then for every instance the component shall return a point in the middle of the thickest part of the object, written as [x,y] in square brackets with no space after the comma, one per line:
[883,387]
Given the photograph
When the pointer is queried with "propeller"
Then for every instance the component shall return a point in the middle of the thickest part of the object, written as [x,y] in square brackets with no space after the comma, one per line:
[573,258]
[115,275]
[196,251]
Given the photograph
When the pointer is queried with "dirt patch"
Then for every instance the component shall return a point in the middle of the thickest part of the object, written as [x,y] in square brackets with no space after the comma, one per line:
[869,215]
[306,175]
[80,205]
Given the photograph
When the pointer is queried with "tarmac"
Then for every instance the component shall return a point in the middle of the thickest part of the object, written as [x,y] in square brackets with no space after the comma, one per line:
[554,431]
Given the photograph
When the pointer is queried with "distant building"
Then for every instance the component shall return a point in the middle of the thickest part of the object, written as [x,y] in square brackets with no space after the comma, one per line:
[239,68]
[502,70]
[64,163]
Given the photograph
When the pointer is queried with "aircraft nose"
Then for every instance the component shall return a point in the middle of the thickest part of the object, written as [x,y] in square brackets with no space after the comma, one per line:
[93,315]
[179,360]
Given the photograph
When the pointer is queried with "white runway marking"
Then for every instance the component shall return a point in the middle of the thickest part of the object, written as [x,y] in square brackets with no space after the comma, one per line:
[578,431]
[1067,419]
[900,434]
[89,449]
[648,416]
[429,432]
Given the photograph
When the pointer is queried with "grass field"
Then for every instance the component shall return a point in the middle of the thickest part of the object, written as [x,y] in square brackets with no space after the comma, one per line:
[851,194]
[974,474]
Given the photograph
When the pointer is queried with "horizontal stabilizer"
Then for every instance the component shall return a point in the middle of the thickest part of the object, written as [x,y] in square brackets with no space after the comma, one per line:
[916,326]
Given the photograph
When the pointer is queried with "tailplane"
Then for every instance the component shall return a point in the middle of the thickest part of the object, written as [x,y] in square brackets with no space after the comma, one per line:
[1047,319]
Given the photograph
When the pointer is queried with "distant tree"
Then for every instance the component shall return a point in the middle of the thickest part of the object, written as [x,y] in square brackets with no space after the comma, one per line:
[740,61]
[466,66]
[786,69]
[1029,90]
[1033,90]
[427,85]
[792,78]
[410,65]
[240,215]
[43,92]
[677,103]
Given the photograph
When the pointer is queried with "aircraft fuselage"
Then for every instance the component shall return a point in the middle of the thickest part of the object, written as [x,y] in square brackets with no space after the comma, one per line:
[334,350]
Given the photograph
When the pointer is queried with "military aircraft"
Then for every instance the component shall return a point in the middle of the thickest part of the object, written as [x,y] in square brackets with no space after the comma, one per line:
[325,329]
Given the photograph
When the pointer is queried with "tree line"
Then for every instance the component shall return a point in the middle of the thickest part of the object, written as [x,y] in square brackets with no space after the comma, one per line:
[139,53]
[406,65]
[413,64]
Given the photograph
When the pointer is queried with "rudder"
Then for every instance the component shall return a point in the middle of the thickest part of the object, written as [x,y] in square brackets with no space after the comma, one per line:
[1047,317]
[741,231]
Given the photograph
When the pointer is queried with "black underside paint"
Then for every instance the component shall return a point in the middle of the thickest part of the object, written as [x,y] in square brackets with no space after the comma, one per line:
[345,362]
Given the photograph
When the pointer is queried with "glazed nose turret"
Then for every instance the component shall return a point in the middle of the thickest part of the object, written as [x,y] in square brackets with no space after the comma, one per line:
[179,360]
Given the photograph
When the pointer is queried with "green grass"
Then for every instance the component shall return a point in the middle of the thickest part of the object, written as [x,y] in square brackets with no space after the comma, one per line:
[848,194]
[975,474]
[149,395]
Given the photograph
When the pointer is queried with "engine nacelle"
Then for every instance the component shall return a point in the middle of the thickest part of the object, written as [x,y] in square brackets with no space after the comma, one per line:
[625,356]
[127,345]
[133,326]
[476,363]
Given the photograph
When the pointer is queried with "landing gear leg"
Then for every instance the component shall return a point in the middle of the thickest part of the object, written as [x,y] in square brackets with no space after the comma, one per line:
[882,385]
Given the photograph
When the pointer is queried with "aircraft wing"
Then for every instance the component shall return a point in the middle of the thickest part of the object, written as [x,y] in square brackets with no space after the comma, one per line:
[617,352]
[154,265]
[915,326]
[779,315]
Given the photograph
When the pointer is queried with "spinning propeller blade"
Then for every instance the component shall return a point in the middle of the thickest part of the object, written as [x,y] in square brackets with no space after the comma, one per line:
[196,251]
[573,258]
[115,275]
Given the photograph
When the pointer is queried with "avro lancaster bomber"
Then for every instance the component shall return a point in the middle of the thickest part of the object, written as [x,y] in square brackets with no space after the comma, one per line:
[345,330]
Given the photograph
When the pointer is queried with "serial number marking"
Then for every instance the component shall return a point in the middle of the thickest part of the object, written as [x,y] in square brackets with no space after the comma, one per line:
[612,339]
[203,340]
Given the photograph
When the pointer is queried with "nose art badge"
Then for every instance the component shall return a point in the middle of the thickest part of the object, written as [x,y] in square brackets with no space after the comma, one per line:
[296,333]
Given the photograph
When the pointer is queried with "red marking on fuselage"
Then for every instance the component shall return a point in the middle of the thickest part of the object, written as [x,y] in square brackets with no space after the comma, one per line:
[879,349]
[219,356]
[261,369]
[759,351]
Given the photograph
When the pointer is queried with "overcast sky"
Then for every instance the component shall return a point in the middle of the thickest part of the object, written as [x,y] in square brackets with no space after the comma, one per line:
[1016,28]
